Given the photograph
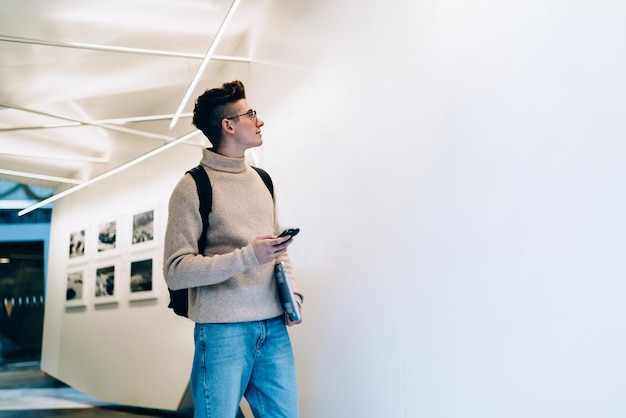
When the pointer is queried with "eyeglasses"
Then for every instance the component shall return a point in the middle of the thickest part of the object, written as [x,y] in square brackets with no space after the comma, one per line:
[251,113]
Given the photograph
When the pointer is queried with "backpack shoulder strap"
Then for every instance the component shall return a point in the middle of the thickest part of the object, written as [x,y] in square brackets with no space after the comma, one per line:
[266,179]
[205,194]
[179,299]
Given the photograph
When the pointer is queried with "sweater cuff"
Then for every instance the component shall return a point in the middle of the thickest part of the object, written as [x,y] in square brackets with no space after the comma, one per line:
[300,297]
[250,257]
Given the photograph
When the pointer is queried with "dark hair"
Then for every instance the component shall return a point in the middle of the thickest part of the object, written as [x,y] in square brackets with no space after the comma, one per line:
[213,106]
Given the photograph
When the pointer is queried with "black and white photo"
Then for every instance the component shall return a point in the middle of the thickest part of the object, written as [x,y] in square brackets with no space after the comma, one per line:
[143,227]
[75,281]
[105,282]
[107,236]
[141,276]
[77,244]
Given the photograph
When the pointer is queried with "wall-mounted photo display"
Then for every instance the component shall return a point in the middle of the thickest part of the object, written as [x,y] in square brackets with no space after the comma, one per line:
[143,227]
[77,244]
[115,258]
[107,236]
[105,283]
[75,290]
[143,274]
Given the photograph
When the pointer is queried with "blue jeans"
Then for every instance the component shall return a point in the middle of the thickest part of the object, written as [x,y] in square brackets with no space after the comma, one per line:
[251,359]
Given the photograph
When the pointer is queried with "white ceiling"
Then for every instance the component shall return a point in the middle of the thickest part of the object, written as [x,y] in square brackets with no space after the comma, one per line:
[57,68]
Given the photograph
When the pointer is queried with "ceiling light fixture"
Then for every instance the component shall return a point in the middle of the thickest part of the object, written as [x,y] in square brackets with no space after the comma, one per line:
[143,51]
[116,121]
[120,121]
[99,125]
[108,173]
[38,176]
[55,157]
[122,49]
[16,204]
[205,61]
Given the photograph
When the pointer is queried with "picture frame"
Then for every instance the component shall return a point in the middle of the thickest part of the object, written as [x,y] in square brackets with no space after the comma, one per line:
[76,278]
[106,281]
[108,233]
[144,273]
[77,245]
[143,223]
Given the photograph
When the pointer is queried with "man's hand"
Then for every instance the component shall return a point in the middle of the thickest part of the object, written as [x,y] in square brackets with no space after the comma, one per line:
[288,320]
[267,247]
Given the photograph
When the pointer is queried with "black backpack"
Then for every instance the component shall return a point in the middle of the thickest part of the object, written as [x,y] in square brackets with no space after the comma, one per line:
[179,301]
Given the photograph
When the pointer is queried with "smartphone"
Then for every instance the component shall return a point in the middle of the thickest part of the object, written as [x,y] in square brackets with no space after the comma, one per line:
[290,231]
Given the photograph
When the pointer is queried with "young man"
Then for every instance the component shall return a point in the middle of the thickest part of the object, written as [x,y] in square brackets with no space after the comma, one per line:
[242,347]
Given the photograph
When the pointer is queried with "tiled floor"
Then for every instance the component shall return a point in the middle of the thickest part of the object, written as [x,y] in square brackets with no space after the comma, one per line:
[26,392]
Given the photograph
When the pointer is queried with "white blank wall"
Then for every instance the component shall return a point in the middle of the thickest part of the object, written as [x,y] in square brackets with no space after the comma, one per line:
[457,170]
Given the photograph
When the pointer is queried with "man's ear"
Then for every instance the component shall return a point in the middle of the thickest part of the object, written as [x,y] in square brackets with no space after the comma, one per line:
[227,125]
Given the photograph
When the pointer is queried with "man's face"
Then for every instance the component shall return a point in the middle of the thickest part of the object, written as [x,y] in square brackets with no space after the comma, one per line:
[247,127]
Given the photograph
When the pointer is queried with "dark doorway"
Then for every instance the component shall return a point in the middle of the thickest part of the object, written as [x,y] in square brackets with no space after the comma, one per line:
[21,300]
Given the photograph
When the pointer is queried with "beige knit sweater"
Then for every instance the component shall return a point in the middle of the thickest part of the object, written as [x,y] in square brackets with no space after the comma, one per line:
[226,283]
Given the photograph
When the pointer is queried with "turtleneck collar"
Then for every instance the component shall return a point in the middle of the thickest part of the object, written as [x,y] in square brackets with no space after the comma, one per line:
[222,163]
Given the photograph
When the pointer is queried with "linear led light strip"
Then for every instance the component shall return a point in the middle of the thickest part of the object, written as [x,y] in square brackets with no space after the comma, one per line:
[83,122]
[205,61]
[108,173]
[47,156]
[122,49]
[117,121]
[38,176]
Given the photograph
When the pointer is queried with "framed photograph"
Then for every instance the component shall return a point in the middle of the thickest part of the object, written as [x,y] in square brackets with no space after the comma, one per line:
[75,289]
[143,276]
[105,289]
[77,245]
[107,236]
[143,227]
